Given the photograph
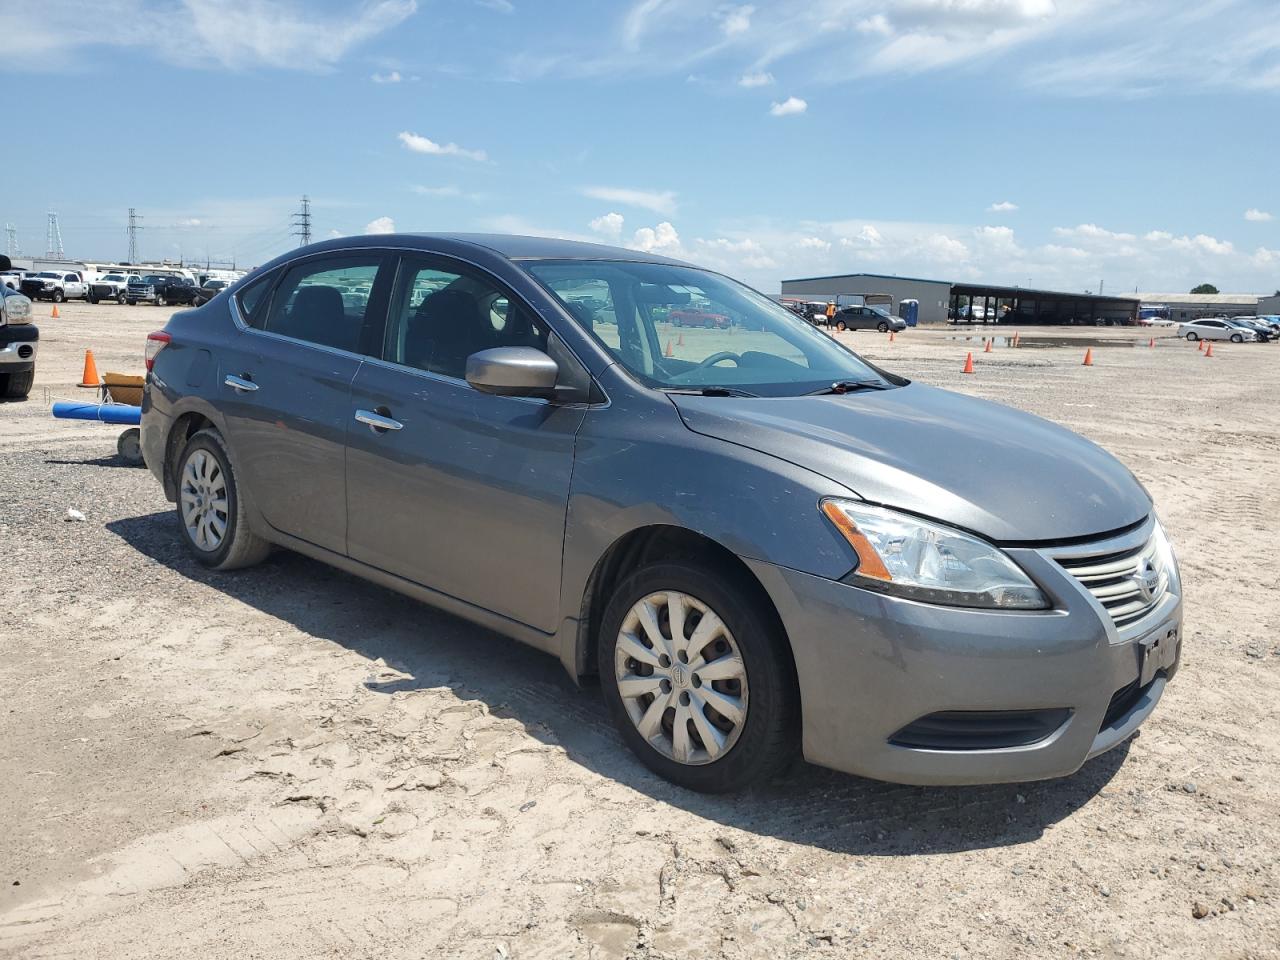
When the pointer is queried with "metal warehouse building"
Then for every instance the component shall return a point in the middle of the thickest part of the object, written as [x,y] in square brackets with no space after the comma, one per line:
[942,300]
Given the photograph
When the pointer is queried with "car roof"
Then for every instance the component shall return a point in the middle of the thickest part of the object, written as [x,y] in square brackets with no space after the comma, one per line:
[510,246]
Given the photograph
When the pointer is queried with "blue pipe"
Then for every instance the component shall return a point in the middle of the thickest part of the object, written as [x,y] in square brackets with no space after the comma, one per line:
[105,412]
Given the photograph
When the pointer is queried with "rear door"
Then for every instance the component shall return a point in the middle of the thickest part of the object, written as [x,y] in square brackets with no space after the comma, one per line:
[285,388]
[467,492]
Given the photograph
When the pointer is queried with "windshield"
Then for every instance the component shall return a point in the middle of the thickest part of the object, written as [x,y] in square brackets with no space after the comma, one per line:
[680,328]
[154,278]
[48,276]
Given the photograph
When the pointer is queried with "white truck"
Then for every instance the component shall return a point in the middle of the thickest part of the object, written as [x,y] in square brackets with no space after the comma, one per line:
[110,286]
[55,285]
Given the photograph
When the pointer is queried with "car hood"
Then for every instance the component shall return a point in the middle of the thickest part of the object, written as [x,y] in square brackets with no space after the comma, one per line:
[999,472]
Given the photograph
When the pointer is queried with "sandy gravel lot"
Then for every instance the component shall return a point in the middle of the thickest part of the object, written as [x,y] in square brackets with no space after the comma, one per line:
[287,762]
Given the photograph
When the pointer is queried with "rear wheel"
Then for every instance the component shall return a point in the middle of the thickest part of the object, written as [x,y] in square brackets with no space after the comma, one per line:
[16,386]
[696,673]
[841,326]
[211,507]
[1193,336]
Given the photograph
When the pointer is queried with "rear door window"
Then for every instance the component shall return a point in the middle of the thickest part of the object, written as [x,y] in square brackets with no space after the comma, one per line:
[326,301]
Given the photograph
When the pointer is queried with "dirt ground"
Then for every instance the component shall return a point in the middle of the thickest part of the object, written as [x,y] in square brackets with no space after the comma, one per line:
[287,762]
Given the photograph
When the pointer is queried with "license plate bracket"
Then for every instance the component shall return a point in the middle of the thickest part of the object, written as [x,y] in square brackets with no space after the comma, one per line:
[1157,651]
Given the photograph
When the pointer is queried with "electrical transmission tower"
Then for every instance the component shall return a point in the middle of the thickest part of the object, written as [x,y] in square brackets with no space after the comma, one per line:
[302,221]
[11,240]
[54,238]
[133,235]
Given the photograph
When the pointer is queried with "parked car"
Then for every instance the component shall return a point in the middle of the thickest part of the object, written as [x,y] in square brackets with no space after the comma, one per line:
[1264,330]
[694,317]
[867,318]
[110,286]
[1272,321]
[160,290]
[1214,328]
[54,285]
[19,340]
[764,551]
[209,290]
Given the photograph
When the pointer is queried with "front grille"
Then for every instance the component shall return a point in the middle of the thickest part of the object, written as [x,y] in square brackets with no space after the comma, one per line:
[980,729]
[1115,579]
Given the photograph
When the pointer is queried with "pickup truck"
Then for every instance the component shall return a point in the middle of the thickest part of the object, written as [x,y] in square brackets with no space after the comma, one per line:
[12,278]
[160,290]
[56,286]
[19,338]
[110,286]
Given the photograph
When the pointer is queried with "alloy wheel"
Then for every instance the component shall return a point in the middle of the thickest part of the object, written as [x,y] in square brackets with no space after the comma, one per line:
[204,500]
[681,677]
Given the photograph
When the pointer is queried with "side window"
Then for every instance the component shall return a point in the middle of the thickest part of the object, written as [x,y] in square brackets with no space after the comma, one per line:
[591,303]
[253,300]
[440,316]
[324,301]
[69,278]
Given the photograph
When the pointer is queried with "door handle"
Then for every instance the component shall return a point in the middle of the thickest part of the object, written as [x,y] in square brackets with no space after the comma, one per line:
[240,384]
[377,422]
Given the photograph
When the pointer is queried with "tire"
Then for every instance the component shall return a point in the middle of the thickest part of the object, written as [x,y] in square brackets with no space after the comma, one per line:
[1237,338]
[238,546]
[17,386]
[882,327]
[132,303]
[757,746]
[159,302]
[1193,336]
[841,326]
[93,300]
[120,299]
[129,447]
[58,296]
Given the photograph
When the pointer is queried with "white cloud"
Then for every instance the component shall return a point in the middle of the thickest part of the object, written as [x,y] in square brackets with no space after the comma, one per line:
[1091,231]
[1257,216]
[659,201]
[334,234]
[422,145]
[610,225]
[189,222]
[878,24]
[757,78]
[660,239]
[446,191]
[814,243]
[788,107]
[380,225]
[1004,206]
[735,20]
[392,77]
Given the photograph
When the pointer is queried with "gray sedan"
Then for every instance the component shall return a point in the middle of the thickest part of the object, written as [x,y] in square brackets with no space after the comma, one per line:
[762,545]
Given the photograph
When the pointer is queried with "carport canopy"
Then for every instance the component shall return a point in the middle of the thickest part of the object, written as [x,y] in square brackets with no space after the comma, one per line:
[984,303]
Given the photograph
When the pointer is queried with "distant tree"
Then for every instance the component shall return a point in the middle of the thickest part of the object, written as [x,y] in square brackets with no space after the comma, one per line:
[1205,288]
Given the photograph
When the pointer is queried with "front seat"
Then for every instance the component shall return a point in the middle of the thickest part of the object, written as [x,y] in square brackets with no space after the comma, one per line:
[317,314]
[447,328]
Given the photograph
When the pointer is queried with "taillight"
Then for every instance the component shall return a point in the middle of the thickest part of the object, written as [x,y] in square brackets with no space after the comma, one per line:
[155,343]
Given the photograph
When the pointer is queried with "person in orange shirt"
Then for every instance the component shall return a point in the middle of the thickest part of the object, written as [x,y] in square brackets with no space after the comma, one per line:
[831,311]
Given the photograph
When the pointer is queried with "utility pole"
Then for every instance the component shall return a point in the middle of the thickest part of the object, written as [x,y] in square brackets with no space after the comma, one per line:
[1101,285]
[302,220]
[133,235]
[54,238]
[11,240]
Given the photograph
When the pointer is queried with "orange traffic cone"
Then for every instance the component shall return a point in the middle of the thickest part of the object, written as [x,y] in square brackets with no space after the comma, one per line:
[1200,345]
[1151,342]
[1208,349]
[54,314]
[987,348]
[90,378]
[668,352]
[1088,357]
[680,341]
[968,363]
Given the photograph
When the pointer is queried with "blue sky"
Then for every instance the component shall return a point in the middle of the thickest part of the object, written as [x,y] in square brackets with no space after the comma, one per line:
[1061,143]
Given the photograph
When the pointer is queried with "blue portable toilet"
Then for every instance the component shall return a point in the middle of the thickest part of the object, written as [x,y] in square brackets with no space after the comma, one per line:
[909,310]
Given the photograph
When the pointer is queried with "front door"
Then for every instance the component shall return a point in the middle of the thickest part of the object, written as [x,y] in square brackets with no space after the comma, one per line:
[285,389]
[458,490]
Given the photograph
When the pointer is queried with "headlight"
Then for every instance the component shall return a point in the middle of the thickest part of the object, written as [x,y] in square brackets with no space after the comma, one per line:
[919,560]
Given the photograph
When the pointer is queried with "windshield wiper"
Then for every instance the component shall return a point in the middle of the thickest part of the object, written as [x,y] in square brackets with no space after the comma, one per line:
[709,392]
[851,386]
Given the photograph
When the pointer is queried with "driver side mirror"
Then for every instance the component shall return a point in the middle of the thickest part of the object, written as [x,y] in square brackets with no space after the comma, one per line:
[513,372]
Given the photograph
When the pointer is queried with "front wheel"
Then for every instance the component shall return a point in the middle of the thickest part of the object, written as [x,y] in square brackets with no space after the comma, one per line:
[120,298]
[1237,338]
[882,327]
[698,677]
[93,300]
[211,508]
[159,302]
[58,296]
[132,303]
[841,326]
[16,386]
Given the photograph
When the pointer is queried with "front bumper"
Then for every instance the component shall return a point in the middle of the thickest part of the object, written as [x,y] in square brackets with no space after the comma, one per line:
[18,345]
[870,666]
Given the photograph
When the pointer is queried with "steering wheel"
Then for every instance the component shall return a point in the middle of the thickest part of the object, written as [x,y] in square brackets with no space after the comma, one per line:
[717,357]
